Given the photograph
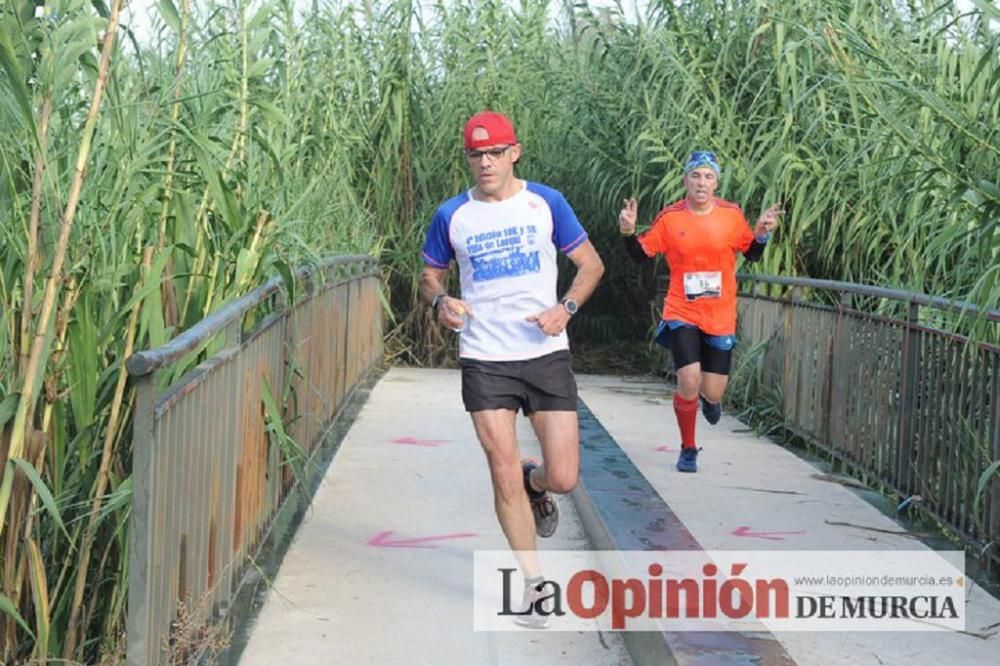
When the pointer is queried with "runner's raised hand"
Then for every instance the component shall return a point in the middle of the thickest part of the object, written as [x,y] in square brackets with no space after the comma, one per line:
[768,220]
[627,216]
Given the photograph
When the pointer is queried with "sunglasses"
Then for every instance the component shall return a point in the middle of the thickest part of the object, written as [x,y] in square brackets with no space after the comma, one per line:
[494,153]
[703,155]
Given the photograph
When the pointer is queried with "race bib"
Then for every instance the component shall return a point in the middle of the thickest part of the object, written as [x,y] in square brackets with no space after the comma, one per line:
[703,285]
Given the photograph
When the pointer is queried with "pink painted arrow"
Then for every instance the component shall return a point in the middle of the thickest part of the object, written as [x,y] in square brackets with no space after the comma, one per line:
[664,449]
[413,441]
[382,540]
[744,531]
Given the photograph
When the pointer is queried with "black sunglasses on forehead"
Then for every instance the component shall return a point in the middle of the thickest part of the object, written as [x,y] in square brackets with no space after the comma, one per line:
[492,152]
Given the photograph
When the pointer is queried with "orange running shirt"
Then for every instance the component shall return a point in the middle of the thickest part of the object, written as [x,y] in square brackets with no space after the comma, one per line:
[701,253]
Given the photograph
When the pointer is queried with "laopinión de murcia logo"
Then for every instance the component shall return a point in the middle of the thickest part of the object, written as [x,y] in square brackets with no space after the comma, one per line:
[587,594]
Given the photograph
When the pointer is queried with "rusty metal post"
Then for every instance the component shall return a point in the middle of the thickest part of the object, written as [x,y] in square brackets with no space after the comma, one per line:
[787,353]
[142,647]
[994,528]
[908,400]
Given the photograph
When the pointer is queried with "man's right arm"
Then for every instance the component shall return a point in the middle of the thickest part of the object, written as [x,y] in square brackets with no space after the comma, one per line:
[432,282]
[450,311]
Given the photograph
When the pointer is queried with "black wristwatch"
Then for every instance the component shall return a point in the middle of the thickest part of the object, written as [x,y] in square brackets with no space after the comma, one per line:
[436,301]
[570,305]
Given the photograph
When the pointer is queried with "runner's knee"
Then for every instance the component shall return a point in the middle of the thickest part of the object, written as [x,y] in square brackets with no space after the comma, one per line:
[689,381]
[713,386]
[560,480]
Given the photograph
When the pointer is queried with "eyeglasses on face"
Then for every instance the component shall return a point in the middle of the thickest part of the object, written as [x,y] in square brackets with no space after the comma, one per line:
[493,153]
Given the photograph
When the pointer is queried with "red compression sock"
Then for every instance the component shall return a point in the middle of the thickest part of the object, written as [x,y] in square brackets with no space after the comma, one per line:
[686,411]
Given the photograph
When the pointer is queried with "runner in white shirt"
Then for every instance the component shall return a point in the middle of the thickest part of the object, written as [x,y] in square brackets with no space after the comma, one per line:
[504,235]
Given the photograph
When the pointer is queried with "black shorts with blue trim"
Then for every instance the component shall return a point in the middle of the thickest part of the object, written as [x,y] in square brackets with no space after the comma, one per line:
[689,344]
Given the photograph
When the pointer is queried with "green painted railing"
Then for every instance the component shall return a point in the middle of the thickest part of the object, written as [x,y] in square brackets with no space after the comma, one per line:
[214,451]
[903,403]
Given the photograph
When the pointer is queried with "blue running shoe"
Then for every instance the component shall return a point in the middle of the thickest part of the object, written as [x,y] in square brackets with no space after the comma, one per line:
[687,461]
[711,410]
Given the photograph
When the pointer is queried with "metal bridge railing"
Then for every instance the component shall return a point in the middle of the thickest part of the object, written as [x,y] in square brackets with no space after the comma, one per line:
[210,459]
[912,406]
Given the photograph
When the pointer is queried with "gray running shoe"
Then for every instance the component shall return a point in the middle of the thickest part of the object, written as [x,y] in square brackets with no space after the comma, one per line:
[543,505]
[540,611]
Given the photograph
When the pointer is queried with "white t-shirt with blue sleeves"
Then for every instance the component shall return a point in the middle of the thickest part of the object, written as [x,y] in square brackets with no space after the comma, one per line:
[506,255]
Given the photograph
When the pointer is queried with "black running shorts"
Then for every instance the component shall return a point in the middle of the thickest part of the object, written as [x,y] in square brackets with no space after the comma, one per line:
[543,384]
[688,345]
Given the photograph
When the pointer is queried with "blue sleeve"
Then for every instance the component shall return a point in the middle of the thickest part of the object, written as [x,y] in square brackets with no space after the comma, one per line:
[438,251]
[567,232]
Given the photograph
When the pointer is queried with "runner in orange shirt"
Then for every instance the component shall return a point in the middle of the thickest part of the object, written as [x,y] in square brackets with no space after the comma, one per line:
[699,236]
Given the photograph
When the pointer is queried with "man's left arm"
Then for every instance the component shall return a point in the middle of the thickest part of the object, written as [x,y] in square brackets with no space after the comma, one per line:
[762,232]
[589,269]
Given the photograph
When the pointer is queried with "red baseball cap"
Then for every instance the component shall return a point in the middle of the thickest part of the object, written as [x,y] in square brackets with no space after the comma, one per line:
[498,128]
